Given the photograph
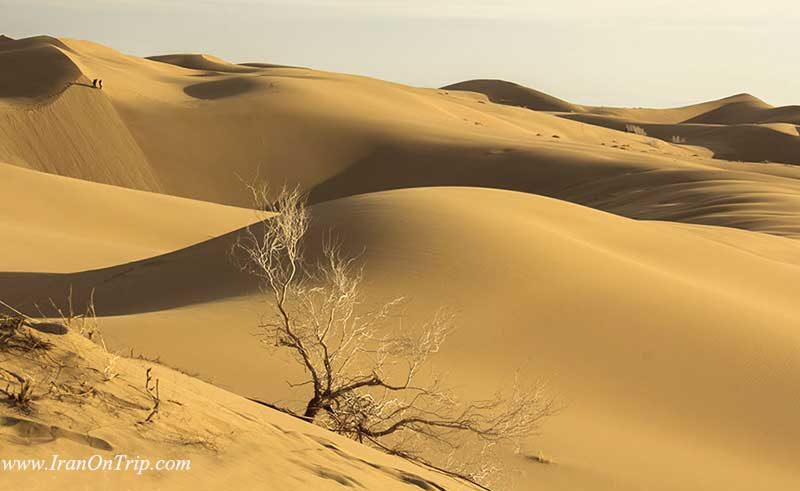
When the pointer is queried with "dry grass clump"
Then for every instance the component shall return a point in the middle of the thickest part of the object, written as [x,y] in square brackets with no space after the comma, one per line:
[85,323]
[16,336]
[637,130]
[18,389]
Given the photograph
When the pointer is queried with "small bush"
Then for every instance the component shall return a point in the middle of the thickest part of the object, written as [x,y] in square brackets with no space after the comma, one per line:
[637,130]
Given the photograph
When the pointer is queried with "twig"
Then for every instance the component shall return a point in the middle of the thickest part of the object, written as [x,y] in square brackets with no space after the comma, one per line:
[152,390]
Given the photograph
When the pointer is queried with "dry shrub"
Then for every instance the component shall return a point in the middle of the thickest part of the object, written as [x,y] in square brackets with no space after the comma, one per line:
[363,366]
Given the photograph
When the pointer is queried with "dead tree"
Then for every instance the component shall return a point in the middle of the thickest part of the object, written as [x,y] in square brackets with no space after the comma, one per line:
[362,364]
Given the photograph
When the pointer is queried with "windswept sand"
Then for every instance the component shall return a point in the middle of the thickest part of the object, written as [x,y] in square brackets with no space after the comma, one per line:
[60,225]
[651,284]
[95,416]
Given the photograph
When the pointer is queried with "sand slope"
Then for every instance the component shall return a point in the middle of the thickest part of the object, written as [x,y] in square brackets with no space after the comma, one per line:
[229,441]
[78,135]
[692,312]
[56,224]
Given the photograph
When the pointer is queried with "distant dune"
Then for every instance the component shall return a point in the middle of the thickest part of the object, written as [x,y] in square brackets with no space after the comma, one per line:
[158,127]
[736,109]
[201,62]
[513,94]
[749,112]
[740,127]
[680,114]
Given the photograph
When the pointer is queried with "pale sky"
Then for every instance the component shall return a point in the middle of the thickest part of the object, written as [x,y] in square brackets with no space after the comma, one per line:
[614,52]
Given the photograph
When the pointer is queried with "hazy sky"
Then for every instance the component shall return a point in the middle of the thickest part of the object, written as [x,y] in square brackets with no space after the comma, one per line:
[612,52]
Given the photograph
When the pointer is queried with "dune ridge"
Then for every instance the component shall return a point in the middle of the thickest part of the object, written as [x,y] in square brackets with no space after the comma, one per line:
[503,92]
[201,62]
[35,68]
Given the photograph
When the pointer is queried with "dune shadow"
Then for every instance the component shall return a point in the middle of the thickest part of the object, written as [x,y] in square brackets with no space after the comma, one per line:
[162,282]
[220,89]
[271,65]
[49,328]
[302,75]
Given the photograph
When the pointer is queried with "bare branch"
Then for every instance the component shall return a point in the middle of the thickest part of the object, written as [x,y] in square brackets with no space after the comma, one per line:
[363,363]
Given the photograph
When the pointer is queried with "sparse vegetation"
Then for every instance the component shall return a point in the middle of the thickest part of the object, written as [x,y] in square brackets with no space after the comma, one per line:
[85,323]
[18,389]
[16,336]
[108,371]
[151,387]
[363,365]
[539,459]
[637,130]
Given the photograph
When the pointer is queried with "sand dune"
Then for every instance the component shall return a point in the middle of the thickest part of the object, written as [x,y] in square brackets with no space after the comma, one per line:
[201,62]
[739,127]
[339,135]
[648,282]
[513,94]
[55,224]
[772,142]
[270,65]
[686,113]
[756,197]
[81,135]
[640,351]
[35,68]
[749,111]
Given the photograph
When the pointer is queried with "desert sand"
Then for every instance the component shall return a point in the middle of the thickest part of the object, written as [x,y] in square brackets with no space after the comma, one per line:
[651,283]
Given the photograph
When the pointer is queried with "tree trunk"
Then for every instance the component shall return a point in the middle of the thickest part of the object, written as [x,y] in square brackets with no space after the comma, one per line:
[312,409]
